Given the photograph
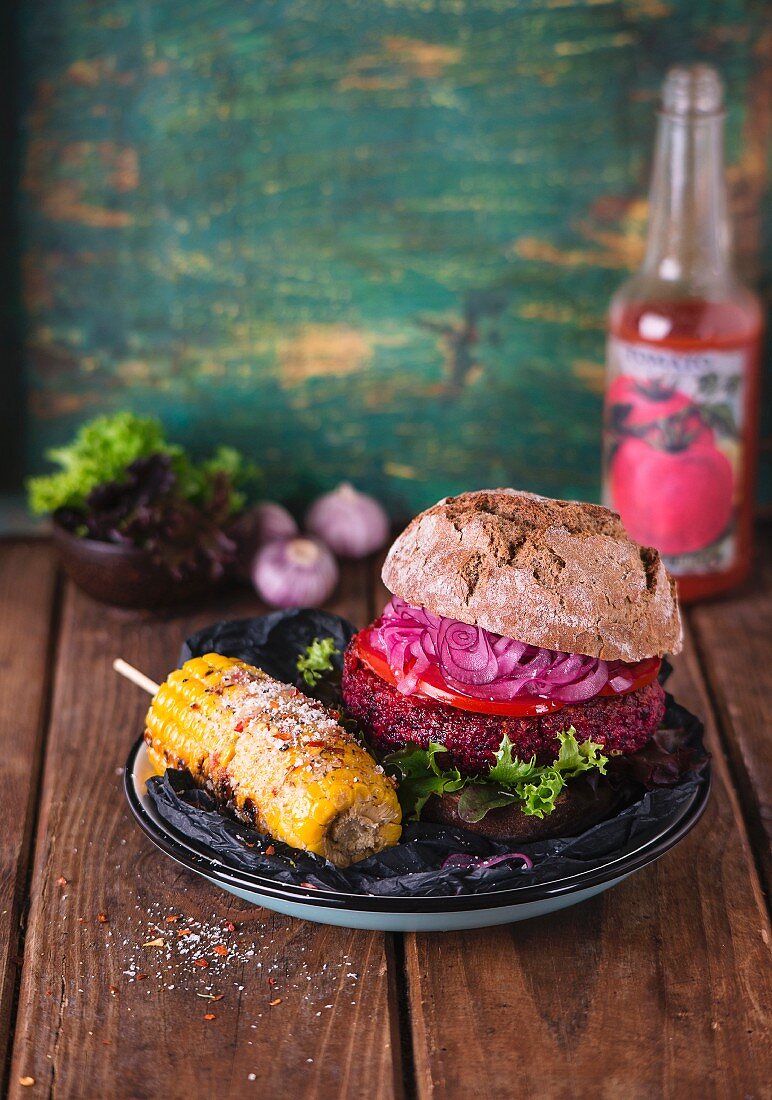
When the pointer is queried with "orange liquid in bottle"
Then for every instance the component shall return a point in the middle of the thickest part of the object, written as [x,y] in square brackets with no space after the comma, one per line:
[700,479]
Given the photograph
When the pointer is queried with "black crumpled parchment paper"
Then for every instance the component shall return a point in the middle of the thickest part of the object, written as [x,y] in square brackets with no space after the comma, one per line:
[412,867]
[272,642]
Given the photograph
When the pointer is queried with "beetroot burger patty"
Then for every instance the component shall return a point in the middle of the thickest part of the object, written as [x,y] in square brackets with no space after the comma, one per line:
[390,720]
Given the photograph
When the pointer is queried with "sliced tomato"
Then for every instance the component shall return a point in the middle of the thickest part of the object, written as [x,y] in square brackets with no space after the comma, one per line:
[431,685]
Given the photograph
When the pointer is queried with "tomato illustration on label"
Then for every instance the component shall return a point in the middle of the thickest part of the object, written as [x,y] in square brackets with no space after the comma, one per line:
[672,454]
[692,506]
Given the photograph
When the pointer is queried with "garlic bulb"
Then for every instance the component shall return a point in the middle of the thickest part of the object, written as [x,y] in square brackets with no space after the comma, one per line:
[351,523]
[296,572]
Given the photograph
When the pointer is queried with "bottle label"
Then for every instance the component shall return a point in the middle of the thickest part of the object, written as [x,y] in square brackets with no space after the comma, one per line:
[673,450]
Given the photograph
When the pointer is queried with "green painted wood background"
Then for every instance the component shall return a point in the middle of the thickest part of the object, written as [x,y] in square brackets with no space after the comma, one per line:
[371,239]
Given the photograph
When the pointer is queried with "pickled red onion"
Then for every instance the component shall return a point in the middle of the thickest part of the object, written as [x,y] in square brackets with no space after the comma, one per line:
[464,861]
[484,665]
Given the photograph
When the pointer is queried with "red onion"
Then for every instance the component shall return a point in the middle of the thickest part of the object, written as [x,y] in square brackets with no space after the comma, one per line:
[483,665]
[352,524]
[297,572]
[273,521]
[464,861]
[262,523]
[465,653]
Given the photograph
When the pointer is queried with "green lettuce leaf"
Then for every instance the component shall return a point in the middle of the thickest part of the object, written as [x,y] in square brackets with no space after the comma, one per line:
[100,453]
[538,799]
[478,798]
[508,769]
[536,787]
[316,661]
[420,776]
[227,466]
[105,448]
[576,758]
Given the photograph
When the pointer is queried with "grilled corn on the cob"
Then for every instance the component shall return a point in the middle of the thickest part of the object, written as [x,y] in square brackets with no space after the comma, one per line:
[277,758]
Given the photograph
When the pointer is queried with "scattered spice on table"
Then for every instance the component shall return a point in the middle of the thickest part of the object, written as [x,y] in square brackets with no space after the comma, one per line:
[197,961]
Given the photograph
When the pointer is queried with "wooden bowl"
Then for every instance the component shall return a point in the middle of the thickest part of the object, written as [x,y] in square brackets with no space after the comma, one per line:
[124,575]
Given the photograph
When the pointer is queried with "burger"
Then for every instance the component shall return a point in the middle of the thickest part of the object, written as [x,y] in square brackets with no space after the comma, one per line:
[515,670]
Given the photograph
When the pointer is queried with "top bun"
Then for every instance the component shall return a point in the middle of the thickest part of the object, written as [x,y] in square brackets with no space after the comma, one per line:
[553,573]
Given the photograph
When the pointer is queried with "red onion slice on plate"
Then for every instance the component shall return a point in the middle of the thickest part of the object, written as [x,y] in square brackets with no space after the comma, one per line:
[464,861]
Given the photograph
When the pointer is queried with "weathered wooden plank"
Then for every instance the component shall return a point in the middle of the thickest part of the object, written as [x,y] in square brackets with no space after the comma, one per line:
[733,641]
[87,1027]
[27,600]
[660,987]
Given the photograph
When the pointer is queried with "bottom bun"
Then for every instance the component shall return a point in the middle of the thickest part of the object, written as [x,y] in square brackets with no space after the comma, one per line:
[580,806]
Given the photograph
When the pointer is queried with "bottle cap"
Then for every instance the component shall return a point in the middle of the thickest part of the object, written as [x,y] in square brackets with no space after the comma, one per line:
[692,90]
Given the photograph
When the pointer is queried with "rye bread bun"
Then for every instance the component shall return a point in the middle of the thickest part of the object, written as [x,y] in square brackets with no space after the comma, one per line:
[553,573]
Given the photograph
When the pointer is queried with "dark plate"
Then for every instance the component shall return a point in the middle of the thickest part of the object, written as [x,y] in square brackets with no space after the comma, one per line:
[196,858]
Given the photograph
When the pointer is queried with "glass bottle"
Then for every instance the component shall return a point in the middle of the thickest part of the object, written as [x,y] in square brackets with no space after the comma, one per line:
[683,360]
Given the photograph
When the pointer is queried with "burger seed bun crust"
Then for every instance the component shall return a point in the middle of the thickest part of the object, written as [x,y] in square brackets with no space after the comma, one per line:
[558,574]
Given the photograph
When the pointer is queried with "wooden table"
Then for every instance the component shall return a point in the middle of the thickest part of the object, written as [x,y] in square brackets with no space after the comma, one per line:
[660,987]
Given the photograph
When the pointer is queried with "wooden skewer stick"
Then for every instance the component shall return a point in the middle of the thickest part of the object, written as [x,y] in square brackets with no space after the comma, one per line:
[136,677]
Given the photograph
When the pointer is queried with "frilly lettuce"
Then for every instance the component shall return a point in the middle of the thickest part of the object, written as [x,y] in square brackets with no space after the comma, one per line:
[106,447]
[100,453]
[420,776]
[316,660]
[535,787]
